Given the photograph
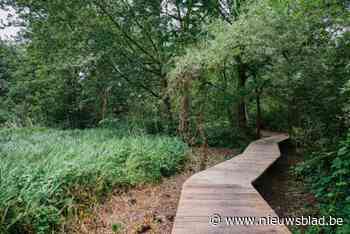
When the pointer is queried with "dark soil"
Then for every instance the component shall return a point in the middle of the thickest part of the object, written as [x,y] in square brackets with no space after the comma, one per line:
[284,191]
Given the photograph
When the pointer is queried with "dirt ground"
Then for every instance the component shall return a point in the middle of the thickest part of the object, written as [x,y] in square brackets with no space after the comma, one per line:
[148,208]
[152,208]
[284,191]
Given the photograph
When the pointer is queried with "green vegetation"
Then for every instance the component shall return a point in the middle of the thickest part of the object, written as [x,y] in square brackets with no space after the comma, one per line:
[47,174]
[208,73]
[328,174]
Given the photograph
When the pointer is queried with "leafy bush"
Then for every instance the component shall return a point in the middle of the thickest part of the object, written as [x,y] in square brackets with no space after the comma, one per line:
[221,134]
[329,176]
[45,173]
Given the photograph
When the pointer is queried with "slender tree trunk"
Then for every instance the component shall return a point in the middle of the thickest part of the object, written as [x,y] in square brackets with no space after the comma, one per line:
[258,115]
[184,122]
[241,108]
[204,146]
[168,115]
[104,104]
[290,115]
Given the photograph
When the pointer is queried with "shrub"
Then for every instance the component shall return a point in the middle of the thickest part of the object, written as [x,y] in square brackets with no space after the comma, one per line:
[328,174]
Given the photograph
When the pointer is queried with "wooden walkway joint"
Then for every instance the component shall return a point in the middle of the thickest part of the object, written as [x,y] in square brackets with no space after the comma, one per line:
[226,189]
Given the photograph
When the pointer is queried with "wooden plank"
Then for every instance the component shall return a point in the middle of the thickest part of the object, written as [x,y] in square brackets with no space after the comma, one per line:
[227,189]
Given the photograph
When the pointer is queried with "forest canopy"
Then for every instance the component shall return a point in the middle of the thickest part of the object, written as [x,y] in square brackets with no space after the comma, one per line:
[211,73]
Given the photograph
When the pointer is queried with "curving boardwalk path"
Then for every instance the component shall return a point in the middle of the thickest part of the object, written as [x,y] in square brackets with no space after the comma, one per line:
[227,189]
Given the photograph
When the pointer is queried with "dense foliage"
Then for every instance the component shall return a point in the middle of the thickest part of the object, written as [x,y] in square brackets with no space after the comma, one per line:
[291,62]
[328,173]
[212,73]
[48,175]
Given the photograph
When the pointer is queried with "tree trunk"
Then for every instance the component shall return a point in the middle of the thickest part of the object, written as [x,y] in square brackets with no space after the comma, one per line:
[168,115]
[184,122]
[290,115]
[241,108]
[104,103]
[258,115]
[204,145]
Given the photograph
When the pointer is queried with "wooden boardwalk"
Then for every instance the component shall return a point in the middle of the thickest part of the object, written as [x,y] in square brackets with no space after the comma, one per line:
[226,189]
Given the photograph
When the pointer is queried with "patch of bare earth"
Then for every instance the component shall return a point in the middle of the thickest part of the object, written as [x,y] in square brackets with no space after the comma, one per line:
[147,208]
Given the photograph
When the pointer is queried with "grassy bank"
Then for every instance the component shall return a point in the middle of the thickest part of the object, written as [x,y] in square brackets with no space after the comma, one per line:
[46,175]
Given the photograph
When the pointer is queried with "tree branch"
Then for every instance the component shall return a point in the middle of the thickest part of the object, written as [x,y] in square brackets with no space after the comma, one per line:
[126,78]
[119,27]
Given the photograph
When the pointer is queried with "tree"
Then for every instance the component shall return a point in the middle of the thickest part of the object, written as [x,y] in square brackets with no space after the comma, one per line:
[287,43]
[136,40]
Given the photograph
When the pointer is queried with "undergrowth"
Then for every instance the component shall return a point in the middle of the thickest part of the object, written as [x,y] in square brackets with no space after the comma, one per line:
[48,175]
[328,174]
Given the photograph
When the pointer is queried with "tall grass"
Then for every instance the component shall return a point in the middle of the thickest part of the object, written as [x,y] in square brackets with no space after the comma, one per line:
[45,173]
